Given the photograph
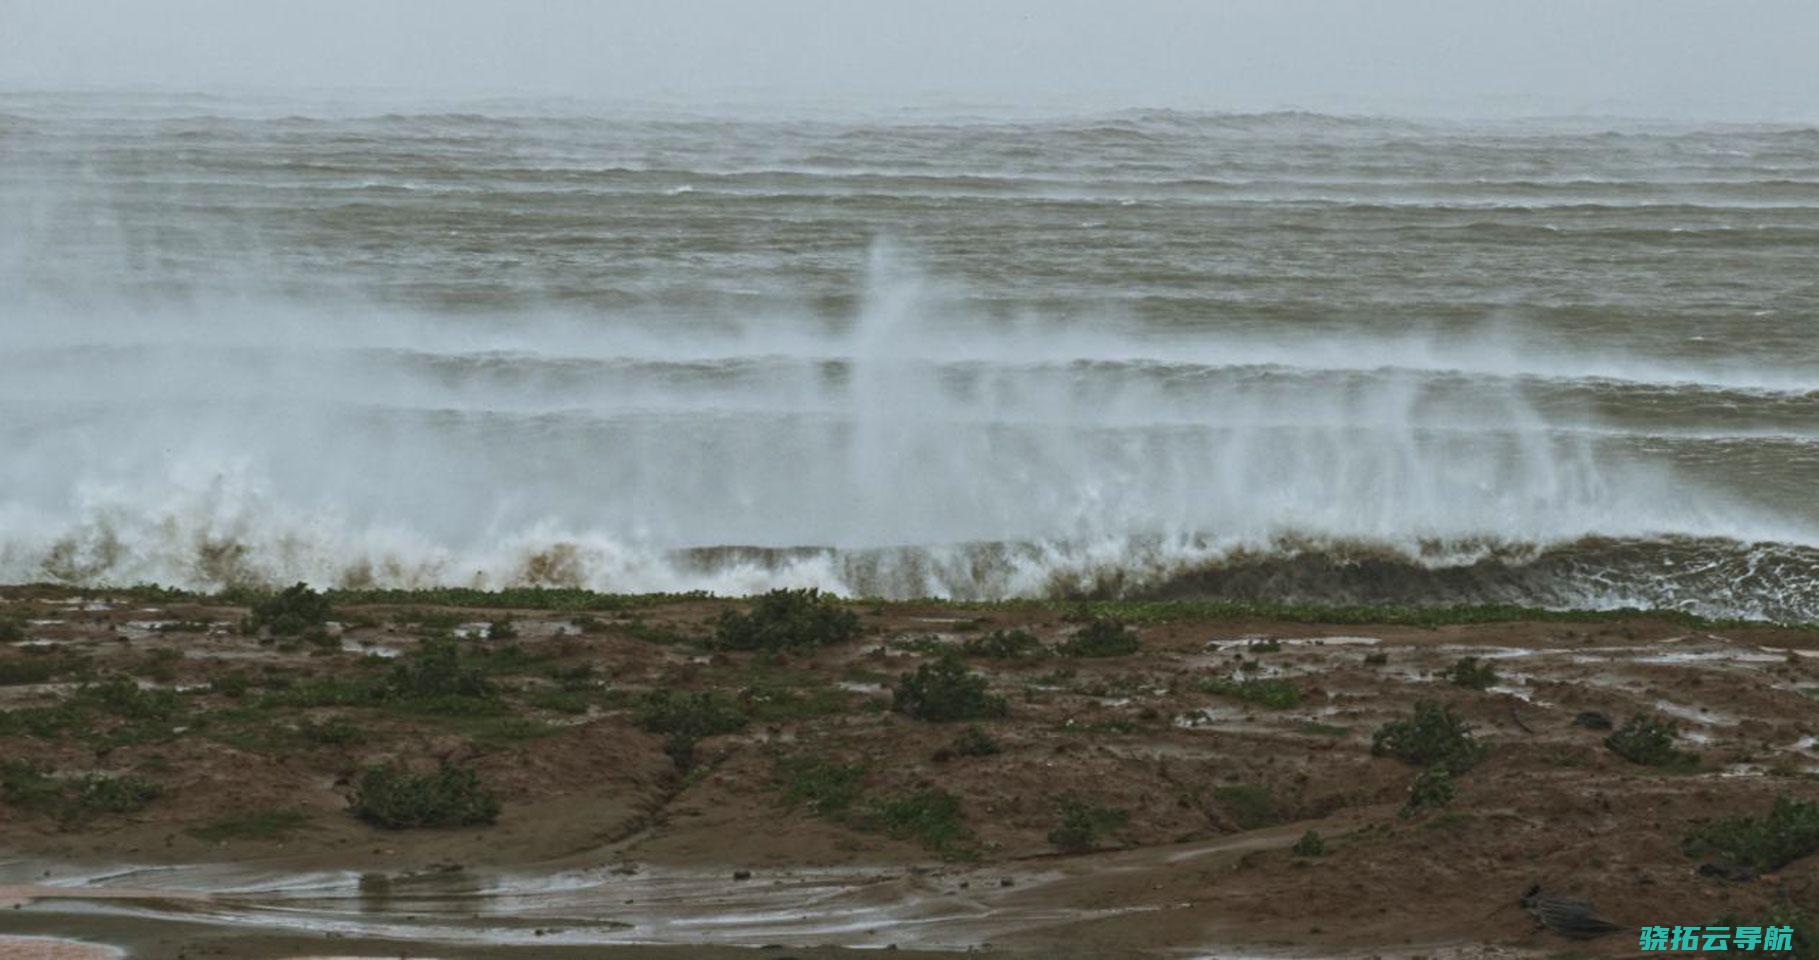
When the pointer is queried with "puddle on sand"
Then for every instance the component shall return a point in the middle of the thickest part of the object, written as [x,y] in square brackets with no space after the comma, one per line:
[593,907]
[1246,641]
[54,948]
[1705,718]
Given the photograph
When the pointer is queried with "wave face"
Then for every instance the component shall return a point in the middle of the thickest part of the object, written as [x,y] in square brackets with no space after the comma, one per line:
[1276,356]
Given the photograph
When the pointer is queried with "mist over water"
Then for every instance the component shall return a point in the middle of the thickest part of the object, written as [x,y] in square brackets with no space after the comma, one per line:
[1283,356]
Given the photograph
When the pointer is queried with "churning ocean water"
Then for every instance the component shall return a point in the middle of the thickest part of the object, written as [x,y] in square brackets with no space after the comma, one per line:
[948,352]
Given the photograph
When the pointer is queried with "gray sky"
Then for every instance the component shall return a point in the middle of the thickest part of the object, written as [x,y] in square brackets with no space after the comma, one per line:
[1725,58]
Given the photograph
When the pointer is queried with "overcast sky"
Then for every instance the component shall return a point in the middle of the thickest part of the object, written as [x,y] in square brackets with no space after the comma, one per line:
[1735,58]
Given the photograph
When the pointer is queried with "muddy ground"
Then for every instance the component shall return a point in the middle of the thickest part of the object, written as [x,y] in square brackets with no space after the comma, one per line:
[792,830]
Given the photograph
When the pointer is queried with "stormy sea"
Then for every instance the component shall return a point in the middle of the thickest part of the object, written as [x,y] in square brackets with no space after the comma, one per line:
[956,350]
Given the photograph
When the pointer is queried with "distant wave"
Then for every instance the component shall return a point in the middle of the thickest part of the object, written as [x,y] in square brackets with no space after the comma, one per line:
[1708,576]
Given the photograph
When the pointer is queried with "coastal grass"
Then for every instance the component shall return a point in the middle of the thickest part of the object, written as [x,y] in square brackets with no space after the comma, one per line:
[1083,824]
[1275,694]
[73,801]
[273,824]
[577,600]
[1789,832]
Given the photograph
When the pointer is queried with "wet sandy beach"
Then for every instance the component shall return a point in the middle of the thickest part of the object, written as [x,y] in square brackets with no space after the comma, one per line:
[1220,742]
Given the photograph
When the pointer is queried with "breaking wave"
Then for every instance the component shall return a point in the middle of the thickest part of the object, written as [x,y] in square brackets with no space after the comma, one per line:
[1281,357]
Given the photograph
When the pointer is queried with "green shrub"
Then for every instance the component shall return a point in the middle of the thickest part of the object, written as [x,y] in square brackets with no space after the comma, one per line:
[1432,789]
[1376,659]
[829,788]
[931,817]
[1310,845]
[687,717]
[1275,694]
[1005,645]
[437,669]
[944,690]
[395,799]
[501,630]
[11,631]
[1250,806]
[291,612]
[787,619]
[1101,638]
[1434,736]
[1082,824]
[1472,673]
[975,742]
[1649,741]
[1790,832]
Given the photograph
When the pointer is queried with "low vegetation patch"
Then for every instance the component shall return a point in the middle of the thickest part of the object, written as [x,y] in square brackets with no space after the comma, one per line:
[256,825]
[437,670]
[1250,806]
[694,714]
[827,787]
[1005,645]
[332,732]
[1789,832]
[73,801]
[396,799]
[1432,790]
[292,611]
[931,817]
[1276,694]
[771,702]
[785,620]
[686,718]
[34,665]
[1310,845]
[1433,736]
[1101,638]
[123,697]
[944,690]
[1649,741]
[1472,673]
[975,742]
[1083,824]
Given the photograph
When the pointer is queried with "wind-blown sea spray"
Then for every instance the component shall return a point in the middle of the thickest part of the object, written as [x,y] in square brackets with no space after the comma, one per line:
[920,451]
[179,410]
